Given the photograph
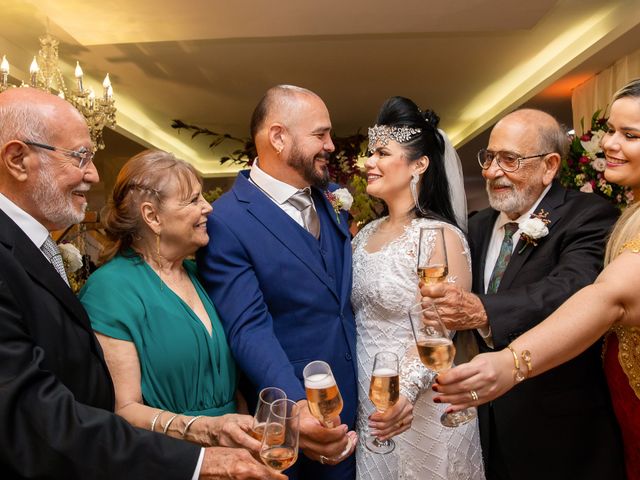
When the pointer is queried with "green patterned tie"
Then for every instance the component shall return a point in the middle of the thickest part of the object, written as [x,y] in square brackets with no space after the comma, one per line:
[503,257]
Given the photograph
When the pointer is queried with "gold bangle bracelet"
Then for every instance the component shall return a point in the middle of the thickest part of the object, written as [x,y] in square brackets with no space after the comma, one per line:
[526,358]
[518,376]
[188,425]
[155,418]
[166,427]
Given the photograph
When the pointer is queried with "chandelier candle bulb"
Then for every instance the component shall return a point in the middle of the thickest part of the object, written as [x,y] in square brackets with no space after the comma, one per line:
[45,75]
[4,69]
[33,70]
[106,84]
[79,75]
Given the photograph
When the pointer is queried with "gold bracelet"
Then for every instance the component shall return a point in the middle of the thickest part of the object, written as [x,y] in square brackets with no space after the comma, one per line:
[518,376]
[155,418]
[188,425]
[166,427]
[526,358]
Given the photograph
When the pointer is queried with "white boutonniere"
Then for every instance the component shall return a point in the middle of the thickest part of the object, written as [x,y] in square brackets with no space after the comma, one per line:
[71,257]
[534,228]
[340,199]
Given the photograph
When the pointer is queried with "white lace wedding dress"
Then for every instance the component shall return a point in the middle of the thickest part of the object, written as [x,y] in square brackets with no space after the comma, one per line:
[384,287]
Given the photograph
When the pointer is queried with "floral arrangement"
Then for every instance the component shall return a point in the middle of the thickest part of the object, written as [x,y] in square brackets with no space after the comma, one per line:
[584,167]
[534,228]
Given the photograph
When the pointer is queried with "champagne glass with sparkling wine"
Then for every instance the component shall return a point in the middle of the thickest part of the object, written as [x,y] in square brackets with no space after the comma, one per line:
[384,392]
[436,352]
[281,434]
[432,255]
[266,397]
[323,396]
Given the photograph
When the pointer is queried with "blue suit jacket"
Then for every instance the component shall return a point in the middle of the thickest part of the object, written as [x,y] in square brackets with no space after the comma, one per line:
[283,296]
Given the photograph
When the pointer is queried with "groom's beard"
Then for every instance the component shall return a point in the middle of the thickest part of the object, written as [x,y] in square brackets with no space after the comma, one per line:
[318,176]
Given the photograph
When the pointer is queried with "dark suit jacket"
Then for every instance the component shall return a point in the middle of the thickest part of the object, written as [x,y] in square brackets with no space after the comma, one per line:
[56,394]
[558,425]
[283,297]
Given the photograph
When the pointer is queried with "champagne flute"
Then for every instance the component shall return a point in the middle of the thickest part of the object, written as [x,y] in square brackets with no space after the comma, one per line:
[279,448]
[384,392]
[266,397]
[433,266]
[323,396]
[436,352]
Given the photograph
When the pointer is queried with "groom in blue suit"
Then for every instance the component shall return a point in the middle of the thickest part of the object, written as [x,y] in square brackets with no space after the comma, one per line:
[279,272]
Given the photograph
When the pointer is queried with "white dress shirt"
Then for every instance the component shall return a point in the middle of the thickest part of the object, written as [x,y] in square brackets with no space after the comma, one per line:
[278,191]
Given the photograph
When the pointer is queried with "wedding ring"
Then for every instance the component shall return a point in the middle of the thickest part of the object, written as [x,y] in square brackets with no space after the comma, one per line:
[474,395]
[323,459]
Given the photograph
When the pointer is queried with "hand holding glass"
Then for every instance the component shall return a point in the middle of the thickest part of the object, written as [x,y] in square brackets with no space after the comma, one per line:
[436,352]
[281,434]
[384,392]
[266,397]
[323,396]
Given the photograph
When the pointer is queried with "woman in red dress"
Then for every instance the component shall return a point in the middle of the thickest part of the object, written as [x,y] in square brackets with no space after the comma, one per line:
[610,306]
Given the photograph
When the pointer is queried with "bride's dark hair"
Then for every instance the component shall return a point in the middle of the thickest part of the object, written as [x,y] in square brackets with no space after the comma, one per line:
[433,190]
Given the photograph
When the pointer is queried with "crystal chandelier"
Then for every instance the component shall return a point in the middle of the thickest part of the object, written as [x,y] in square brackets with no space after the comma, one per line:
[99,112]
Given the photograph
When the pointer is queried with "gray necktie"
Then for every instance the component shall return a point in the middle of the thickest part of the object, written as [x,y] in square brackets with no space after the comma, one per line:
[503,257]
[52,252]
[302,201]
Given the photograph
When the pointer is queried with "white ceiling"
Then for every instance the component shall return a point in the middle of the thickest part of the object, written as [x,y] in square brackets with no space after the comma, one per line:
[207,62]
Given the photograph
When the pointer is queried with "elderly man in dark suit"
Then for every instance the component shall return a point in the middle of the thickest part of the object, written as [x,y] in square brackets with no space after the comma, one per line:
[56,395]
[537,245]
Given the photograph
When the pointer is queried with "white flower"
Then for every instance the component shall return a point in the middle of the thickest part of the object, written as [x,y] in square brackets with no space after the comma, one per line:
[71,257]
[344,197]
[592,147]
[580,179]
[587,188]
[534,228]
[599,164]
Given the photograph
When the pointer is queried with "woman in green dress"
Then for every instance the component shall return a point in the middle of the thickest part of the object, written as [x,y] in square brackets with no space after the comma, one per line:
[162,339]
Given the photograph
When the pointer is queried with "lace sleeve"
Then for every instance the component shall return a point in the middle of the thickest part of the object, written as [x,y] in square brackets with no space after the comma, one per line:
[414,376]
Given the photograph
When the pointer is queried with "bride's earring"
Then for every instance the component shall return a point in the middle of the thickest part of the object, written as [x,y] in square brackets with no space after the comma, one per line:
[413,184]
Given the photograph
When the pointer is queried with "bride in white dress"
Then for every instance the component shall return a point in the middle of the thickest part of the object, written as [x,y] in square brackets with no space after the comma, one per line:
[407,171]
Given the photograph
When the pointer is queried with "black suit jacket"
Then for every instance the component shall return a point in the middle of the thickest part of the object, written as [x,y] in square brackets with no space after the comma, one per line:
[558,425]
[56,395]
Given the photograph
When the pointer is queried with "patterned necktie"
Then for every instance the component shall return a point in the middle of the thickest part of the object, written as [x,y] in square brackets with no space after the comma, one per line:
[503,257]
[302,201]
[52,252]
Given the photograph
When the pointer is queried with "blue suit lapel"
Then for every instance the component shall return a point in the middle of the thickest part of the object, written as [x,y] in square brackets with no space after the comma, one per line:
[281,226]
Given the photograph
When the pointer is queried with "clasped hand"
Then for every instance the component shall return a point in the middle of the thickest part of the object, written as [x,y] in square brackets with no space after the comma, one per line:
[324,444]
[392,421]
[458,309]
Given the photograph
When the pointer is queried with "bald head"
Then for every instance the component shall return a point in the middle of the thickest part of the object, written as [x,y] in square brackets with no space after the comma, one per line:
[539,130]
[29,113]
[281,104]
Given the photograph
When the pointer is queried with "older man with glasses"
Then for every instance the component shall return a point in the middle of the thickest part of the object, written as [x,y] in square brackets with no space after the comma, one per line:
[535,246]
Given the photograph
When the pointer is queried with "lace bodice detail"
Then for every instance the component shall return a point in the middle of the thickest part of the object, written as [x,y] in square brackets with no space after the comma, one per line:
[385,285]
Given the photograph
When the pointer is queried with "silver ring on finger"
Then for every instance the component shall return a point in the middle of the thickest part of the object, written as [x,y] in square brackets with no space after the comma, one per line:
[323,459]
[474,395]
